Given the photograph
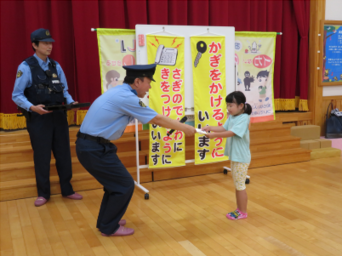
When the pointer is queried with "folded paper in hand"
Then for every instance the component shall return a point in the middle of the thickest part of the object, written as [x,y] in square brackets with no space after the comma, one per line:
[200,131]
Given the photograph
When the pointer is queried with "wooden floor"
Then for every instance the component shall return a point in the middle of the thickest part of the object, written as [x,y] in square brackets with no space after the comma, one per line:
[294,209]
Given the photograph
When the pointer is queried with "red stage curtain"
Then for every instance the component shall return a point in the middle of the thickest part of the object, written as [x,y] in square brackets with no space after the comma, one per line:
[302,14]
[76,46]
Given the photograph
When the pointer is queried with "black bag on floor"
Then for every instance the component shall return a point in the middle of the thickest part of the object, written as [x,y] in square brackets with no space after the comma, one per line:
[333,124]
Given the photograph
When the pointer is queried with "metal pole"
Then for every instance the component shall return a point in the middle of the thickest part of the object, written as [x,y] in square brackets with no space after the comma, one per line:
[137,183]
[137,149]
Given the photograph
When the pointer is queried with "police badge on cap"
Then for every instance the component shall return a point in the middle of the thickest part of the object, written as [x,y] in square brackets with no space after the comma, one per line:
[42,35]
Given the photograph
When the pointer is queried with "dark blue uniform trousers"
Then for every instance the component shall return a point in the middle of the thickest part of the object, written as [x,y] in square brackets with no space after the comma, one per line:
[51,132]
[102,162]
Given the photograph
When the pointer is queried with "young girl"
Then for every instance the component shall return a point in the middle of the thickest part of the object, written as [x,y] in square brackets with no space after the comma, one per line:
[236,130]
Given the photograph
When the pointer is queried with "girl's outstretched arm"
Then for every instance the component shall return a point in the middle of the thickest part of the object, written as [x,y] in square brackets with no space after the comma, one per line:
[222,134]
[213,128]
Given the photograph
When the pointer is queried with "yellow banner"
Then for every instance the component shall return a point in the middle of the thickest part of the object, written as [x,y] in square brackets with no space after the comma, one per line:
[117,48]
[166,97]
[209,76]
[254,61]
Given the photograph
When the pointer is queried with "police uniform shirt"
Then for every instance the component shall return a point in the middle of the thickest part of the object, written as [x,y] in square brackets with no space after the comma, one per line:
[110,113]
[24,80]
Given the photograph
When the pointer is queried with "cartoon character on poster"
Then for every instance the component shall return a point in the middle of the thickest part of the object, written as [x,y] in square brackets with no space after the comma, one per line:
[116,51]
[254,60]
[248,80]
[261,82]
[112,78]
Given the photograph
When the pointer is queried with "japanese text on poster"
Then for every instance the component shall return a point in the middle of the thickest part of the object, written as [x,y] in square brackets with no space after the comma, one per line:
[209,76]
[166,97]
[332,54]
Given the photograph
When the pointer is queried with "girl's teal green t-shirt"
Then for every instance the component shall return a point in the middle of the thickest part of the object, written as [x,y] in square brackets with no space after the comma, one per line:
[237,147]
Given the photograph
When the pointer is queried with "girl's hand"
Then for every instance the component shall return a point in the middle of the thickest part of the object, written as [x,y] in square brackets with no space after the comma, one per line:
[206,128]
[210,135]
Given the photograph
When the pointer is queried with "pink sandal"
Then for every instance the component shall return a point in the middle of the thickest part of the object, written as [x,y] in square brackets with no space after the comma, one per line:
[122,231]
[122,222]
[236,215]
[40,201]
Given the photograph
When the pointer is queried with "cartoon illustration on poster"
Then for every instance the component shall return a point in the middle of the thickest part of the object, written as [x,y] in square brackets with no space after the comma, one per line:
[117,48]
[254,61]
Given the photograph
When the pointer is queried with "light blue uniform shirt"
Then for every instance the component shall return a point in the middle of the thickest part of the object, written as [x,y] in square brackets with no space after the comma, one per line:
[237,147]
[25,81]
[110,113]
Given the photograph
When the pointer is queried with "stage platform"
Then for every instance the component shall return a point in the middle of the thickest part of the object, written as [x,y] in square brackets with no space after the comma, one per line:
[271,144]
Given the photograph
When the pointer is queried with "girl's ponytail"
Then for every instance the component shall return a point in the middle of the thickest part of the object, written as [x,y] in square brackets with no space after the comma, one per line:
[248,109]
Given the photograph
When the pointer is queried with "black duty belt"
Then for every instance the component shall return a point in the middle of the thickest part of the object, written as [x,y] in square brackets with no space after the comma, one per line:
[92,138]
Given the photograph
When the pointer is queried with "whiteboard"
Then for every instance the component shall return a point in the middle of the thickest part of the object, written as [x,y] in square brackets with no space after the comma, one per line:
[187,32]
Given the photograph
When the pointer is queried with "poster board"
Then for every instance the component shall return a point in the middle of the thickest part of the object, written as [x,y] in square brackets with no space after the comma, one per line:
[116,49]
[187,32]
[331,58]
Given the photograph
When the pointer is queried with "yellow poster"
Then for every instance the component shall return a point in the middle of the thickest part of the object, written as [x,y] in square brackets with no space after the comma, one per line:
[209,76]
[254,61]
[166,97]
[117,48]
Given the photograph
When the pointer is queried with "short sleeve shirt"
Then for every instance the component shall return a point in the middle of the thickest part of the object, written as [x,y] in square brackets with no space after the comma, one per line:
[110,113]
[237,147]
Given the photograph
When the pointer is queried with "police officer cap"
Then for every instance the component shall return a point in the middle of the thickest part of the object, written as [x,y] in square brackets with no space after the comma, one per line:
[41,34]
[141,71]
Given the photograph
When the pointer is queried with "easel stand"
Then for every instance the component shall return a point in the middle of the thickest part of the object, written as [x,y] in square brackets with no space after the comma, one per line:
[137,183]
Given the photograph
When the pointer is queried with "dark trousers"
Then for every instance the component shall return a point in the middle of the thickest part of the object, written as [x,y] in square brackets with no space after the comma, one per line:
[51,132]
[102,162]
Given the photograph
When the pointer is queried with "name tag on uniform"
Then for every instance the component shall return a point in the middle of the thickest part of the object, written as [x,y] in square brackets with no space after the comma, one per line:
[55,81]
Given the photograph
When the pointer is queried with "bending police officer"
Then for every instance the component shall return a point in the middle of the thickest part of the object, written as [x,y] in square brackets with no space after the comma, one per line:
[106,120]
[41,82]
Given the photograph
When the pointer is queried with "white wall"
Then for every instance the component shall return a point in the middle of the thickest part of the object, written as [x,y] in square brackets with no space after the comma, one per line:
[333,11]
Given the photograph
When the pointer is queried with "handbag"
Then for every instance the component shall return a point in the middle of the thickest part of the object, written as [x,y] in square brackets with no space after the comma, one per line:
[333,123]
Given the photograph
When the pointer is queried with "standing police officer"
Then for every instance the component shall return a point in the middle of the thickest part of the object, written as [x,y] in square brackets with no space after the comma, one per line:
[106,120]
[41,82]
